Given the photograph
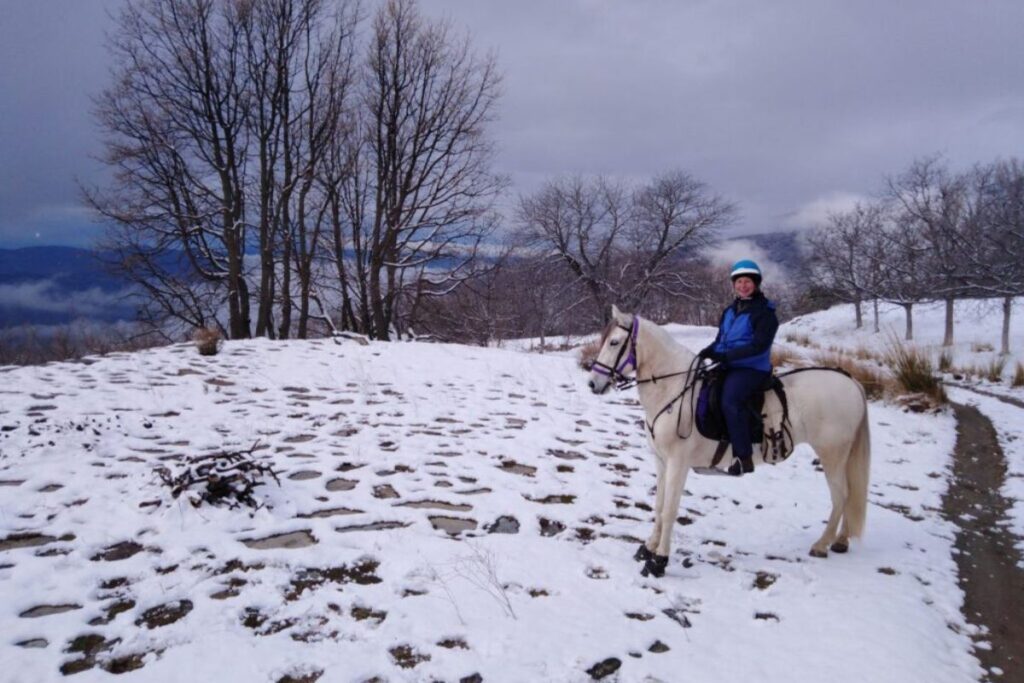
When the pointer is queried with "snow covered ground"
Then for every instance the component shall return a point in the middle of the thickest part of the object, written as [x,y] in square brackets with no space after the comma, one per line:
[977,332]
[444,512]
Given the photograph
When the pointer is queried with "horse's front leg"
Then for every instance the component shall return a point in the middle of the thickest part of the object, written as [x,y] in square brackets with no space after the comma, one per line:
[674,473]
[646,550]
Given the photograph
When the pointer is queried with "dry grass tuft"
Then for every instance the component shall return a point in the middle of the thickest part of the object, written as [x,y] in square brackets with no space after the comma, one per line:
[207,340]
[914,372]
[946,361]
[799,339]
[993,372]
[1018,376]
[782,356]
[875,381]
[864,353]
[588,353]
[964,371]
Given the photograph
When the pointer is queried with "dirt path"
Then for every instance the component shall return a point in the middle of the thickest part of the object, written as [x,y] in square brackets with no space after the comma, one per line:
[1009,400]
[987,559]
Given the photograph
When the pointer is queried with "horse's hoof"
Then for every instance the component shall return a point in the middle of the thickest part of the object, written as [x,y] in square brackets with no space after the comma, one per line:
[655,566]
[840,547]
[818,553]
[642,554]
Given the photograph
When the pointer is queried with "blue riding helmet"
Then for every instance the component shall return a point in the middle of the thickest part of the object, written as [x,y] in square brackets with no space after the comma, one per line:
[748,268]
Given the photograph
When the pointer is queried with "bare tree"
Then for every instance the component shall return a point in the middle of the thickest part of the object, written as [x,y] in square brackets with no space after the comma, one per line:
[844,255]
[998,267]
[175,119]
[581,222]
[216,123]
[422,198]
[623,245]
[902,277]
[673,216]
[934,205]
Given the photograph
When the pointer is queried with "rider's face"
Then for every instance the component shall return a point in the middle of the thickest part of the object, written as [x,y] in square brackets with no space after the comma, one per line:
[744,287]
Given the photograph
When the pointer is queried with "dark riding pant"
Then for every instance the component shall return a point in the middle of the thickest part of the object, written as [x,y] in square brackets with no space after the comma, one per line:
[740,384]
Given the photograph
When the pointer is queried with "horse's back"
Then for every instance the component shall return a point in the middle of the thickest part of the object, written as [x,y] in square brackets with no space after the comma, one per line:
[825,406]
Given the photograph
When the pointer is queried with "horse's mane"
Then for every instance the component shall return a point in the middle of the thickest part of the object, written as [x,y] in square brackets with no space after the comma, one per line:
[670,343]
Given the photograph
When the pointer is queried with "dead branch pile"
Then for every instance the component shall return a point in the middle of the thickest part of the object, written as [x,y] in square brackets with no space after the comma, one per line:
[227,478]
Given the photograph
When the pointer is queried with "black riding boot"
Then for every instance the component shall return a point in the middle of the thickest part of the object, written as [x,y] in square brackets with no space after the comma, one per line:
[741,466]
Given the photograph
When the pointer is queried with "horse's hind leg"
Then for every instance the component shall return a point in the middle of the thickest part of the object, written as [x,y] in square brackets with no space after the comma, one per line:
[835,473]
[842,543]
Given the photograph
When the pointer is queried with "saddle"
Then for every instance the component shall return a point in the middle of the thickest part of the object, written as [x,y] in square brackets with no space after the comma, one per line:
[776,442]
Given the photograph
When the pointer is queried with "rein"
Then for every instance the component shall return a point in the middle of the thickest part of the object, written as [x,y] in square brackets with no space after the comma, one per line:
[697,374]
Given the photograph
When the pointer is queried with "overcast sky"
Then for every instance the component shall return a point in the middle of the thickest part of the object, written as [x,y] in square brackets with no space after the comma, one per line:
[787,107]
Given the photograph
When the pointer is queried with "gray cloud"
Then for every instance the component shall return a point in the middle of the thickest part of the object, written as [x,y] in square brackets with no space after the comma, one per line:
[781,106]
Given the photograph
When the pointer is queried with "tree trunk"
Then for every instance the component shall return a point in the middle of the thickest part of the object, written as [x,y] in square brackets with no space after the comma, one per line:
[860,315]
[876,315]
[947,340]
[1007,309]
[379,326]
[910,320]
[285,328]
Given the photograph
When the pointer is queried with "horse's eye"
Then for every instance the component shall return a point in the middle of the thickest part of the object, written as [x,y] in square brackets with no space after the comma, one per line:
[613,342]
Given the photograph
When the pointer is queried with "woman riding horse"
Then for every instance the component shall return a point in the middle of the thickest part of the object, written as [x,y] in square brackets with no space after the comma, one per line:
[743,347]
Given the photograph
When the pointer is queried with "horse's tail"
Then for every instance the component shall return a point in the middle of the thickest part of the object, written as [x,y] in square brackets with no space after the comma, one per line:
[858,471]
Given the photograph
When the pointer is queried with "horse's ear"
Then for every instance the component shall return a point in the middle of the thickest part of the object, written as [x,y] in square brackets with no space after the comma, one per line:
[618,315]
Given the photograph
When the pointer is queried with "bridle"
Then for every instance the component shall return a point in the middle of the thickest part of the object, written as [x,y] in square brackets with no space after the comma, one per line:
[616,371]
[696,373]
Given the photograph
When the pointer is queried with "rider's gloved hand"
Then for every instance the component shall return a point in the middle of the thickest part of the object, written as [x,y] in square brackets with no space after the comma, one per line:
[710,354]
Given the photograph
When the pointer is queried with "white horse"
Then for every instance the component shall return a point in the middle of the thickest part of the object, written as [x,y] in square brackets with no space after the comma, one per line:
[827,410]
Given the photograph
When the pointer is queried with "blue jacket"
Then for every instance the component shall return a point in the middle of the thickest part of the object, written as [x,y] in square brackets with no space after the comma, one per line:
[746,332]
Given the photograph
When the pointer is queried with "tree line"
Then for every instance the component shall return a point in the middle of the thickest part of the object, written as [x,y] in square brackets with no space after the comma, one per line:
[299,167]
[289,167]
[932,235]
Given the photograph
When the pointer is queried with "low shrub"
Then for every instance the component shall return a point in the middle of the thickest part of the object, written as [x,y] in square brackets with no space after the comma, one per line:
[207,340]
[1018,376]
[982,347]
[913,371]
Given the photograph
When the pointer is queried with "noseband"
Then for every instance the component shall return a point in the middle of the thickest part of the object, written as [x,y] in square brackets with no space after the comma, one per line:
[615,372]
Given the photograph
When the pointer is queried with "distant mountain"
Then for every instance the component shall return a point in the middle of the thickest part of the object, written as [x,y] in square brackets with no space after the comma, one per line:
[783,248]
[56,285]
